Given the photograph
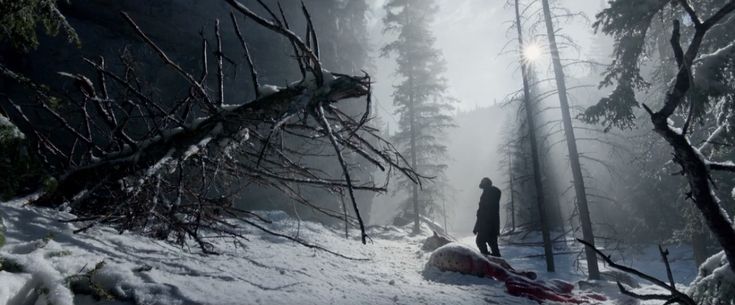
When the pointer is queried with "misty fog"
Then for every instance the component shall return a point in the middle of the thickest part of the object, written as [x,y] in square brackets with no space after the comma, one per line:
[367,152]
[475,38]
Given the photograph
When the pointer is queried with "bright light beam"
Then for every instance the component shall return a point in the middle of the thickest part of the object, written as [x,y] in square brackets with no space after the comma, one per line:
[532,52]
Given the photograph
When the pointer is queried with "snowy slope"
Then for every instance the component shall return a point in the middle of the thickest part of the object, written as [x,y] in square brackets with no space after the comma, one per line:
[261,270]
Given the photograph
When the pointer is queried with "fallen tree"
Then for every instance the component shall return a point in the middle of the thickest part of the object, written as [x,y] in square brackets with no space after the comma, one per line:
[170,169]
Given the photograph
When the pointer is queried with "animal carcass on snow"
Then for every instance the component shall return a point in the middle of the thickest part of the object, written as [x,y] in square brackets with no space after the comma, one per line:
[435,241]
[459,258]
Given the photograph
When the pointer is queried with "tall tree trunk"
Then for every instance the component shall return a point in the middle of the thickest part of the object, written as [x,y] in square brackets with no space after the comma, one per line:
[512,193]
[579,188]
[548,251]
[415,187]
[444,213]
[555,204]
[699,245]
[555,220]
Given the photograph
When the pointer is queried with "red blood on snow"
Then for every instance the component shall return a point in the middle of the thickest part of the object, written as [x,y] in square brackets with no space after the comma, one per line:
[458,258]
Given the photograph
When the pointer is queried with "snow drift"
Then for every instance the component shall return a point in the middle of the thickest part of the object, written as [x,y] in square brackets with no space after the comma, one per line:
[46,263]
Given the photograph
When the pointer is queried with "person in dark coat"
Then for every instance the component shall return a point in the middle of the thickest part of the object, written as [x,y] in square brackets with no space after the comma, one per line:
[487,226]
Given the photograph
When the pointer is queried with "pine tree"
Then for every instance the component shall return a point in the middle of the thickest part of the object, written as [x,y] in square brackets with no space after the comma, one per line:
[20,19]
[20,25]
[419,99]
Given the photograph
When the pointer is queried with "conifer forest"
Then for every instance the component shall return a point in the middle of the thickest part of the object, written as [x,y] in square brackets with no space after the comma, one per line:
[236,152]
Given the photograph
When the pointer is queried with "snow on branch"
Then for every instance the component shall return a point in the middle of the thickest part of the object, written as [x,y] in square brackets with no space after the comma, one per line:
[708,67]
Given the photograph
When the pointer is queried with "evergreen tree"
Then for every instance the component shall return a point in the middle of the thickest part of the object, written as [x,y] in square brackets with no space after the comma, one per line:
[344,35]
[20,19]
[703,61]
[419,99]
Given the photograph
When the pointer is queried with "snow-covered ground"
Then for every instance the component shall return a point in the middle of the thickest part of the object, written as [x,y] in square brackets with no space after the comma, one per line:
[263,269]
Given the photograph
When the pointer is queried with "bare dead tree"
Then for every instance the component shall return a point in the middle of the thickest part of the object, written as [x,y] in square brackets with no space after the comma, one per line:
[579,184]
[535,158]
[171,169]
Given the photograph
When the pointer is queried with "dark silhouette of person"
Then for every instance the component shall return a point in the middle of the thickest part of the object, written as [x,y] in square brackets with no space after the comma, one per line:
[487,226]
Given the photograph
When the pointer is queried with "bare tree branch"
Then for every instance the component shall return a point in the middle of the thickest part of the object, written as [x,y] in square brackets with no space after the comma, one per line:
[675,294]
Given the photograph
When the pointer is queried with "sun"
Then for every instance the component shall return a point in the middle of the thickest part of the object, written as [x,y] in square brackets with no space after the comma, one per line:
[532,52]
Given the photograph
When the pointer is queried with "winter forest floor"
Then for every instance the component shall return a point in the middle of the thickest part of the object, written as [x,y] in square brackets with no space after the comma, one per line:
[262,269]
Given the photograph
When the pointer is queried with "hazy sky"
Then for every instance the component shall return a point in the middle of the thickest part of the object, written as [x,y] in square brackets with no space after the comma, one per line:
[471,35]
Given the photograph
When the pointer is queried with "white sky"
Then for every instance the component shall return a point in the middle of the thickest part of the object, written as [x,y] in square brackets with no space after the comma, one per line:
[471,35]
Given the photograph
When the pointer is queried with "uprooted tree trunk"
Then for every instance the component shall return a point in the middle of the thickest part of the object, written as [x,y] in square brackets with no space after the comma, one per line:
[142,165]
[174,143]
